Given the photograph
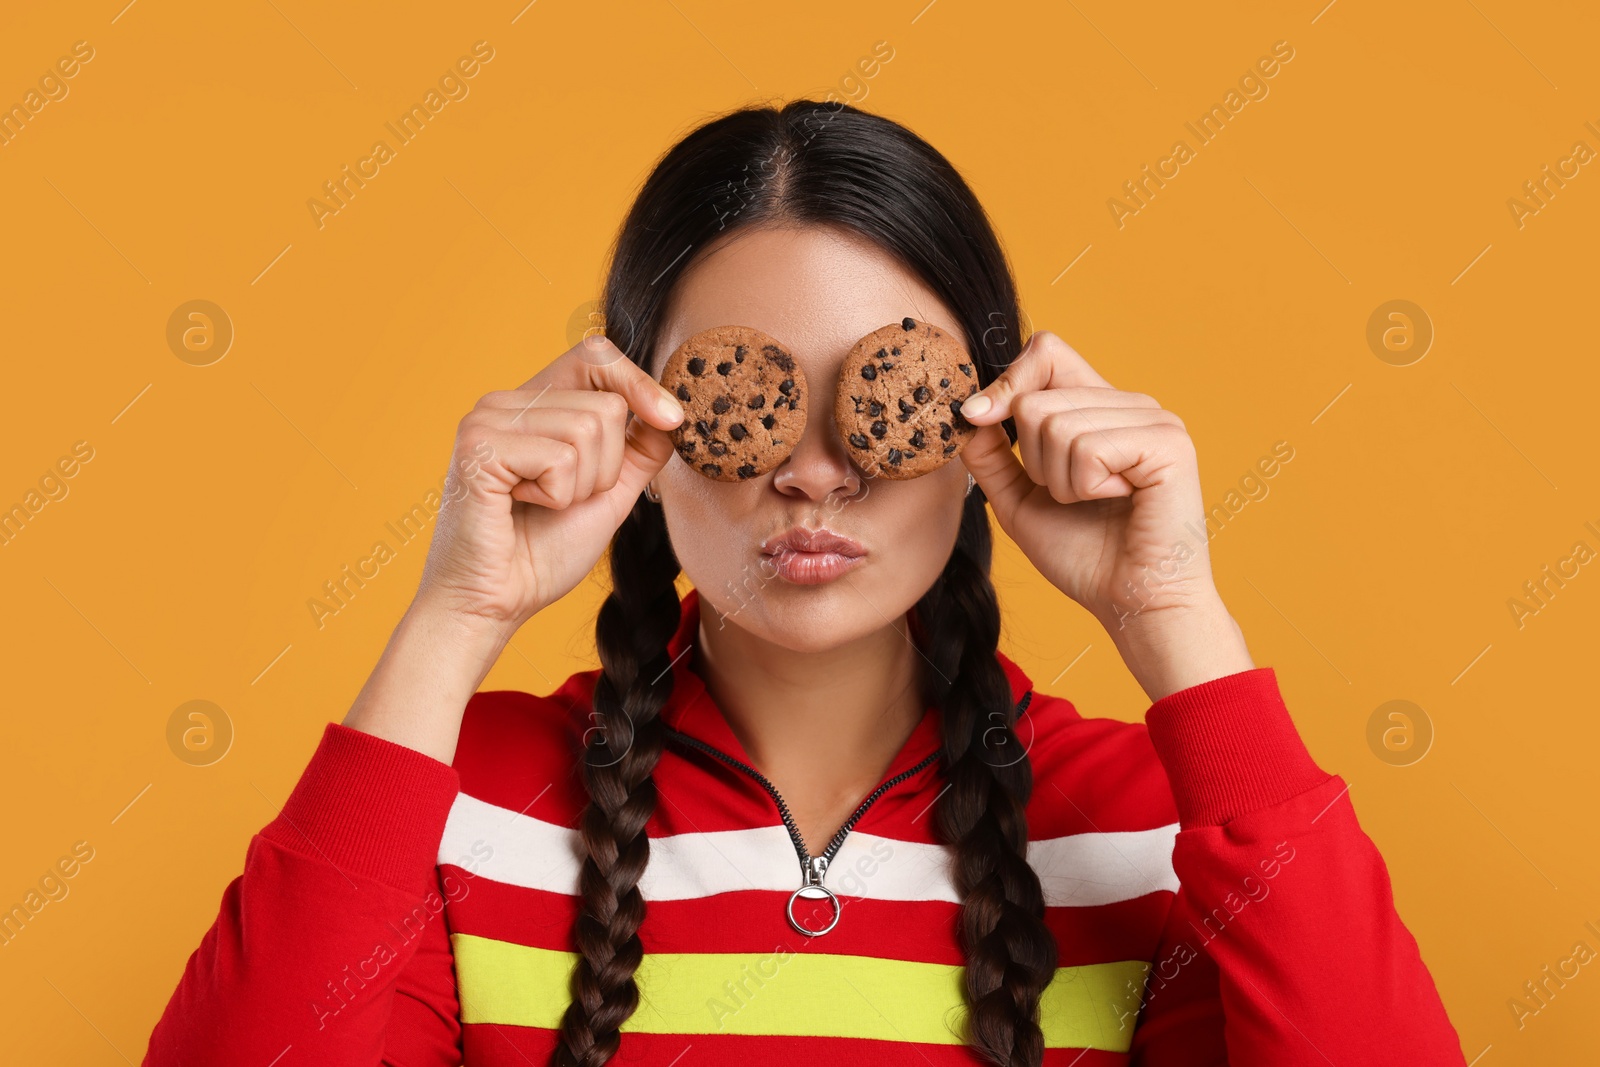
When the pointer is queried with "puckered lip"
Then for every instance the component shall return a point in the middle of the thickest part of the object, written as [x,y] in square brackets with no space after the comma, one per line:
[822,539]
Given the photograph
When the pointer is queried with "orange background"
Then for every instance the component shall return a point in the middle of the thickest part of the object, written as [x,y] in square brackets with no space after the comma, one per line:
[1376,565]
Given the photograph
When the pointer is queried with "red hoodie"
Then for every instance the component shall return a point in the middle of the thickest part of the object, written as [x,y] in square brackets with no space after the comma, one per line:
[1212,895]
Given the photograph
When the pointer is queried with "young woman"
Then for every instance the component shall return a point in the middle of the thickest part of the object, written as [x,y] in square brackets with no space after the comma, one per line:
[808,810]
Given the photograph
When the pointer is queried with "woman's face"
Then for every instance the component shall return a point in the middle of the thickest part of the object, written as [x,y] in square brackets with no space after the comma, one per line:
[817,289]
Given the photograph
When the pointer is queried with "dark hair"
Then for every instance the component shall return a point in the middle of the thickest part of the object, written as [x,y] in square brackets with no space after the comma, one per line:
[814,163]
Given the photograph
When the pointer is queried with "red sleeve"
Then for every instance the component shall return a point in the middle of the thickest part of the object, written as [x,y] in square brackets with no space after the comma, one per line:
[1283,946]
[332,942]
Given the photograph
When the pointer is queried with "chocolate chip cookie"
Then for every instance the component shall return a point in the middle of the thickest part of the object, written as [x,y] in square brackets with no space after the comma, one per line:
[744,402]
[899,403]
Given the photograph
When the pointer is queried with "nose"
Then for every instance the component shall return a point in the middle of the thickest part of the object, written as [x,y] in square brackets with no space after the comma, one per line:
[819,465]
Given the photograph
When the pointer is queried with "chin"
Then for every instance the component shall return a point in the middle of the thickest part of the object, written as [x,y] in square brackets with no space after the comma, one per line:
[801,618]
[815,618]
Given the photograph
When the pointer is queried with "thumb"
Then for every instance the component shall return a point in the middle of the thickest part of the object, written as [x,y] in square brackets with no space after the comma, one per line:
[998,471]
[992,403]
[645,451]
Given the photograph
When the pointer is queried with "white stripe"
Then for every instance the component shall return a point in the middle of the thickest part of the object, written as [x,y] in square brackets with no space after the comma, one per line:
[1078,870]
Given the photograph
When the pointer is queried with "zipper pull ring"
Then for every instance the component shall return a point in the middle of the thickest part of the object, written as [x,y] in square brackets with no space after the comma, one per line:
[812,871]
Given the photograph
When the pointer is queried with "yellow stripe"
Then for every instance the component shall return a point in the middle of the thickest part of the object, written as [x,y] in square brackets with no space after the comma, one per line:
[789,993]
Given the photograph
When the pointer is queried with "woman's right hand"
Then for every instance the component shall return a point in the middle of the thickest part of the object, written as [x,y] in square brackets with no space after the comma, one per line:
[540,478]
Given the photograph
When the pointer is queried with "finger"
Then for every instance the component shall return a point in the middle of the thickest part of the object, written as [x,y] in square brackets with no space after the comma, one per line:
[998,472]
[1042,437]
[546,469]
[647,450]
[596,363]
[585,431]
[1067,483]
[1046,362]
[583,428]
[550,413]
[1118,461]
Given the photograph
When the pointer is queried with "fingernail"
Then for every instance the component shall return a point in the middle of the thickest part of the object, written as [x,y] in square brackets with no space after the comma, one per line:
[976,405]
[669,407]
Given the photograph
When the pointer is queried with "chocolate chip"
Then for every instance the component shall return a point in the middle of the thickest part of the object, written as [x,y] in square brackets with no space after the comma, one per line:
[786,386]
[757,401]
[887,364]
[874,409]
[922,394]
[746,471]
[944,383]
[778,356]
[737,431]
[916,439]
[725,367]
[738,353]
[717,448]
[768,421]
[894,457]
[721,404]
[701,428]
[697,366]
[945,431]
[713,469]
[908,324]
[965,368]
[868,371]
[949,449]
[880,428]
[683,392]
[895,351]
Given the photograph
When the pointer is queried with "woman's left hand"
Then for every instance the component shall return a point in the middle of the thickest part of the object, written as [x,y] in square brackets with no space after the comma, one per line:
[1105,500]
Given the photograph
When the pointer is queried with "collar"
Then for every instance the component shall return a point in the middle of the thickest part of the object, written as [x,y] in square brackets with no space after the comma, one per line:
[691,710]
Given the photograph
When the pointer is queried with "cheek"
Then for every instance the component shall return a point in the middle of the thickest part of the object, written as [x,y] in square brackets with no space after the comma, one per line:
[915,523]
[712,527]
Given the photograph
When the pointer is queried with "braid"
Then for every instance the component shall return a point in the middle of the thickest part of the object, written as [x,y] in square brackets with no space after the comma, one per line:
[1011,955]
[813,163]
[620,754]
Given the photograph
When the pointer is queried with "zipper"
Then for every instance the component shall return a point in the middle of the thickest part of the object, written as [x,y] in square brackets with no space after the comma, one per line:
[814,868]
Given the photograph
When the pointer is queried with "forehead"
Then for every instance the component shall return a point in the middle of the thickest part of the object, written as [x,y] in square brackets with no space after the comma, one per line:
[817,289]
